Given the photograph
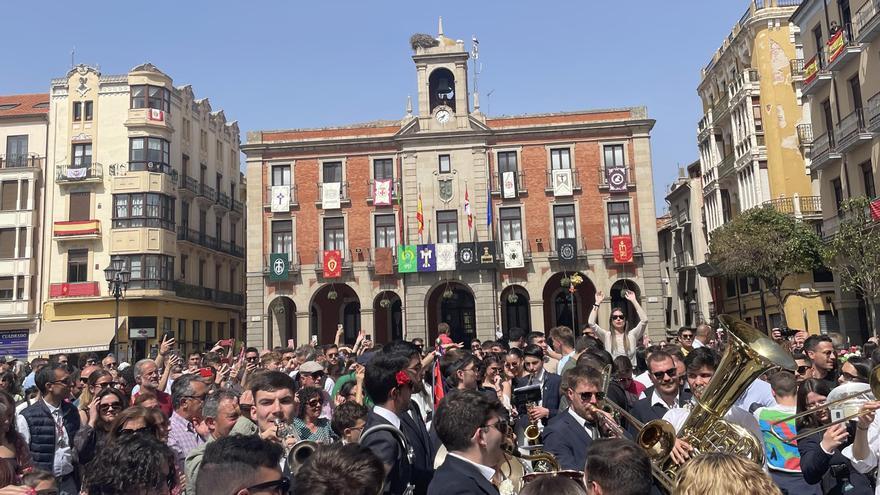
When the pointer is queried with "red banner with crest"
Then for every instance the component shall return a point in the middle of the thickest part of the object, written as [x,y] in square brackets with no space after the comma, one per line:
[622,247]
[332,264]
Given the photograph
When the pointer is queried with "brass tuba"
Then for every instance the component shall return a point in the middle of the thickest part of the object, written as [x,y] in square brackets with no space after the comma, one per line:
[299,453]
[749,353]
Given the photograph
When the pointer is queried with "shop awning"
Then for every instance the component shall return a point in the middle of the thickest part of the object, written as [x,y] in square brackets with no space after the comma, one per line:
[57,337]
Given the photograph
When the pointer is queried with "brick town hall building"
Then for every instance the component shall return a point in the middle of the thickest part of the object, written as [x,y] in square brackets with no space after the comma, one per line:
[333,234]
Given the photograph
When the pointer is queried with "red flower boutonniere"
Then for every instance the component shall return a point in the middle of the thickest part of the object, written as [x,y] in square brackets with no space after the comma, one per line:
[402,378]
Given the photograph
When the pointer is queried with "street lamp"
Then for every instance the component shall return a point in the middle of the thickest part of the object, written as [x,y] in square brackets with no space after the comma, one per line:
[117,278]
[695,312]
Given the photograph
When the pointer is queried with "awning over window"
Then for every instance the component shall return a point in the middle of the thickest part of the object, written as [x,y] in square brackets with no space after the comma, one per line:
[57,337]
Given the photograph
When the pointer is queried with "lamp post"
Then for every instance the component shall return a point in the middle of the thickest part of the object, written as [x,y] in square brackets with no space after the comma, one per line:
[117,278]
[696,312]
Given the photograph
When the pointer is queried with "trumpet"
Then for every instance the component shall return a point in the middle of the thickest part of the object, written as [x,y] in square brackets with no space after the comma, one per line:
[871,393]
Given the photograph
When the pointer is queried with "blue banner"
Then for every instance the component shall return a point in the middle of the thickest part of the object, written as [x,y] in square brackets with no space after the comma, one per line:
[14,342]
[426,258]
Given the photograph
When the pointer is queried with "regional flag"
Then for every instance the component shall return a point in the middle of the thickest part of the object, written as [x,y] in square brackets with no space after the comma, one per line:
[406,259]
[419,217]
[427,258]
[467,210]
[875,210]
[332,263]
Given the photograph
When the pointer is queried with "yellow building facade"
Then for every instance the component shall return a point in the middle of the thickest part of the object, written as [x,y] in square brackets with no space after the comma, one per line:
[142,177]
[752,155]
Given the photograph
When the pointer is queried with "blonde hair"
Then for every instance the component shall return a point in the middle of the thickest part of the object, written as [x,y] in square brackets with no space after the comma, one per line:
[722,473]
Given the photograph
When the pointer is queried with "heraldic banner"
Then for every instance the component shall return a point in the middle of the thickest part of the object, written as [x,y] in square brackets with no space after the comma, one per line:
[622,245]
[427,258]
[406,259]
[445,257]
[332,264]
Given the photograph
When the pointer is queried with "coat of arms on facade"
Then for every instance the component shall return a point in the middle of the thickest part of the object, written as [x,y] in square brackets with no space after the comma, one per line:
[446,190]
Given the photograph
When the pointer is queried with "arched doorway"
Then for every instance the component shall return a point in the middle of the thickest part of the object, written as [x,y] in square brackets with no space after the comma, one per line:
[564,307]
[452,303]
[387,317]
[331,305]
[282,321]
[515,311]
[618,301]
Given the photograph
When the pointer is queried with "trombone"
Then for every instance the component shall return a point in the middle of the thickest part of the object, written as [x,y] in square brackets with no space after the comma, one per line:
[871,394]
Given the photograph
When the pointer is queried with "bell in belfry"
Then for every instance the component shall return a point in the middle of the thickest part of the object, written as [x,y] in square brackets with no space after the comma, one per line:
[443,89]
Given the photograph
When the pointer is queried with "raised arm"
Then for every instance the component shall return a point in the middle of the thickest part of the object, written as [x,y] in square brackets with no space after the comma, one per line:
[594,314]
[639,329]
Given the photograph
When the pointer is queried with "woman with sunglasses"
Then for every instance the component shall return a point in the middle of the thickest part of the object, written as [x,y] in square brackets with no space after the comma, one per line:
[513,364]
[619,341]
[97,381]
[822,462]
[308,423]
[92,436]
[855,370]
[139,420]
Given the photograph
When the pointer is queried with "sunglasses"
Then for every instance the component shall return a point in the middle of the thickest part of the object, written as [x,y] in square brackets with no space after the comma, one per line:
[280,486]
[252,359]
[802,369]
[134,431]
[687,336]
[245,409]
[618,317]
[499,425]
[671,373]
[332,355]
[107,385]
[113,405]
[314,403]
[588,396]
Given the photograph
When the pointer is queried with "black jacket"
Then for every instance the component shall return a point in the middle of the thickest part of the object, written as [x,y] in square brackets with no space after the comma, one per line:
[42,431]
[457,477]
[567,441]
[550,396]
[833,471]
[644,411]
[387,449]
[423,453]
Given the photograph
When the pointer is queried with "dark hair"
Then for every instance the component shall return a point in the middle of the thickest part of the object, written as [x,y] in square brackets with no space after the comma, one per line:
[460,414]
[210,358]
[875,357]
[700,357]
[533,351]
[863,368]
[380,375]
[123,403]
[488,360]
[132,466]
[7,473]
[516,351]
[12,436]
[270,381]
[401,347]
[813,341]
[622,363]
[783,383]
[86,396]
[603,356]
[532,336]
[573,376]
[585,342]
[683,330]
[251,349]
[658,356]
[346,415]
[816,386]
[515,334]
[619,466]
[154,420]
[457,362]
[232,463]
[306,394]
[869,348]
[35,477]
[443,328]
[552,483]
[10,378]
[46,375]
[351,469]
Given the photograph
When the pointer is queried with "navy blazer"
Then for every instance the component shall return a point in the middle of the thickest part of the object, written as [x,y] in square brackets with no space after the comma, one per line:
[423,454]
[644,411]
[567,440]
[550,392]
[816,468]
[387,449]
[457,477]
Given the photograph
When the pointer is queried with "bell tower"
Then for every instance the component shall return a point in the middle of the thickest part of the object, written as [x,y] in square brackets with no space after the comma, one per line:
[441,65]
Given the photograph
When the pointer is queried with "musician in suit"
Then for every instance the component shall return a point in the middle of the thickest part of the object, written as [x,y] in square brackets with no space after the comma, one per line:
[411,423]
[533,362]
[666,392]
[389,384]
[471,427]
[569,435]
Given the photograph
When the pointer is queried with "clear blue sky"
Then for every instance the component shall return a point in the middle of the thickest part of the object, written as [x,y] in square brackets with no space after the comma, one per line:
[273,65]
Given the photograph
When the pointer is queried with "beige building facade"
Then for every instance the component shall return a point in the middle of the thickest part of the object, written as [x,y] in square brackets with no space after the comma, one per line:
[24,127]
[841,87]
[143,177]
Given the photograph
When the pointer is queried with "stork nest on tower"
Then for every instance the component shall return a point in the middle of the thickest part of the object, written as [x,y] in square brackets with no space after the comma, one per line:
[421,40]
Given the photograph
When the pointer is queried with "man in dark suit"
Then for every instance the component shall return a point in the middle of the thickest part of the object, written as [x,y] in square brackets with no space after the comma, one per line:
[389,384]
[569,435]
[411,423]
[665,394]
[533,362]
[471,427]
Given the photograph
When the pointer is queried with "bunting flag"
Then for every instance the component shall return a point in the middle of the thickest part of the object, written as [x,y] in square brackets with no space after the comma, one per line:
[406,258]
[331,195]
[467,210]
[513,254]
[419,217]
[566,249]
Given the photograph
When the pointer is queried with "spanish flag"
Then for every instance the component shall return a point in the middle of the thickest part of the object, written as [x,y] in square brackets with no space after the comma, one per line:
[419,217]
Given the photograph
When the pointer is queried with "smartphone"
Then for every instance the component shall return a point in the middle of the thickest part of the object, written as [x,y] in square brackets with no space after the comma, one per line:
[225,342]
[168,336]
[205,372]
[314,339]
[368,337]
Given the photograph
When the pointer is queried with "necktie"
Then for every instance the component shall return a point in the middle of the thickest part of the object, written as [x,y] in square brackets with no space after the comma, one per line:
[592,430]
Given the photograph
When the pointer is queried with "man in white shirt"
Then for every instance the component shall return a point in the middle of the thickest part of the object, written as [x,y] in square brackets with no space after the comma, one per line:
[865,449]
[703,336]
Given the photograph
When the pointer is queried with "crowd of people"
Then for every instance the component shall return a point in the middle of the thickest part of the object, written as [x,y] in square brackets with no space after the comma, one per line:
[449,418]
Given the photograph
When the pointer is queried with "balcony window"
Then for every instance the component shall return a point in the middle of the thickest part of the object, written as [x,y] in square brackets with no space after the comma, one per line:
[837,187]
[506,163]
[82,155]
[618,218]
[564,221]
[151,154]
[334,233]
[447,226]
[510,222]
[868,179]
[385,231]
[9,196]
[444,164]
[282,236]
[146,96]
[281,175]
[80,206]
[383,169]
[7,244]
[613,155]
[7,288]
[560,159]
[332,172]
[129,210]
[16,151]
[78,265]
[82,111]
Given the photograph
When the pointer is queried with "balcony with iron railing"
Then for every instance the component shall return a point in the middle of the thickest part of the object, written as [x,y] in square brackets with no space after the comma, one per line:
[803,207]
[76,230]
[682,260]
[206,294]
[347,261]
[575,181]
[208,241]
[816,74]
[394,196]
[805,135]
[746,84]
[515,189]
[852,130]
[872,113]
[629,174]
[842,48]
[208,193]
[21,161]
[84,174]
[824,151]
[223,201]
[721,106]
[726,167]
[189,186]
[866,22]
[237,207]
[344,198]
[797,69]
[294,265]
[279,195]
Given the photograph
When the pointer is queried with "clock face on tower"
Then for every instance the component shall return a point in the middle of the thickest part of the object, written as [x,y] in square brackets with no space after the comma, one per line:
[443,115]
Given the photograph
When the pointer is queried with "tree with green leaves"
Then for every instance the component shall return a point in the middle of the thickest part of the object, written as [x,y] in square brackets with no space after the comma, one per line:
[854,254]
[768,245]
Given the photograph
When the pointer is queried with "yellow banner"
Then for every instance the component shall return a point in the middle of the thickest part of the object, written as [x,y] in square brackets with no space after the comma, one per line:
[811,68]
[835,46]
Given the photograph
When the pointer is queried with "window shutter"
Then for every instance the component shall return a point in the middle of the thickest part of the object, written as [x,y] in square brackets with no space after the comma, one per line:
[80,206]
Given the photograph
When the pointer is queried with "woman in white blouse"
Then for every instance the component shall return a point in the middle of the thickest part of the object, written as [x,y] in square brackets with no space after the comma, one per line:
[618,341]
